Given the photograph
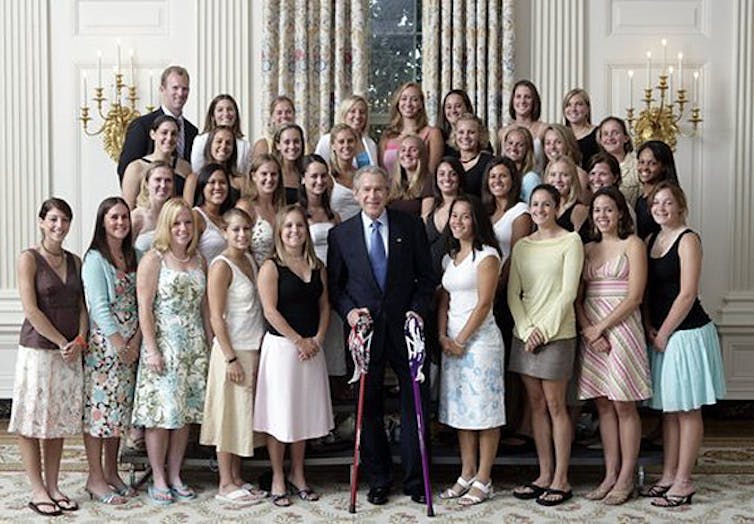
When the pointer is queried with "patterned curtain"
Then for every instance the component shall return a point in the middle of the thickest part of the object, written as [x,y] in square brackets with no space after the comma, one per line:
[468,44]
[315,52]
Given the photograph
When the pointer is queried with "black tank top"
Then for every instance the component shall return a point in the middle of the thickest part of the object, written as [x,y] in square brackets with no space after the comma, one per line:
[664,285]
[566,223]
[645,224]
[298,301]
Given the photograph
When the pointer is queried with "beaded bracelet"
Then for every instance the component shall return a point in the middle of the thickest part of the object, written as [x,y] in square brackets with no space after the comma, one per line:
[230,361]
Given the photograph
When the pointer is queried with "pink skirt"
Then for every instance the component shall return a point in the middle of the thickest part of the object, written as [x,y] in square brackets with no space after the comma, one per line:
[293,396]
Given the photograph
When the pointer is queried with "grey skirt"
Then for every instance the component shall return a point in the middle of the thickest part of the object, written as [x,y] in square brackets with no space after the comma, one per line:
[553,361]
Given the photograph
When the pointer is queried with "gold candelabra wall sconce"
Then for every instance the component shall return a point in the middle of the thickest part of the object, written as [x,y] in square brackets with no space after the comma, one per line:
[119,113]
[662,118]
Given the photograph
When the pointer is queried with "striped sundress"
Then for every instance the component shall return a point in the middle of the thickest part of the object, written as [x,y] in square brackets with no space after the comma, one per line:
[622,373]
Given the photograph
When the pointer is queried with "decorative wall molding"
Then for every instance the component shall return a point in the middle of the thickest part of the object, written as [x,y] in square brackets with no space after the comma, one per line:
[224,56]
[24,88]
[142,18]
[557,57]
[650,17]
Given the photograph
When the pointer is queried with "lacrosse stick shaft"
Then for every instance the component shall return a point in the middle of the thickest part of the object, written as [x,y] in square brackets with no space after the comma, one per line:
[422,447]
[357,445]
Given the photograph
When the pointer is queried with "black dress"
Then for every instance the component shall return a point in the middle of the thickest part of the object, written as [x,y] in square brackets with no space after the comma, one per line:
[472,178]
[645,224]
[589,147]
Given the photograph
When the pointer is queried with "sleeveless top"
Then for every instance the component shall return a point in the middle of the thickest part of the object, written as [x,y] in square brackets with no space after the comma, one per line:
[437,243]
[472,178]
[178,180]
[212,242]
[503,228]
[645,224]
[143,242]
[243,311]
[291,195]
[59,301]
[298,301]
[390,154]
[588,147]
[319,232]
[566,223]
[664,285]
[343,202]
[262,241]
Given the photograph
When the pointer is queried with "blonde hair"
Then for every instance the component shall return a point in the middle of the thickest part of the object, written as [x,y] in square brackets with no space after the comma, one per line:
[168,215]
[335,166]
[142,200]
[346,105]
[483,132]
[278,198]
[585,96]
[565,134]
[280,253]
[396,119]
[573,194]
[528,162]
[410,186]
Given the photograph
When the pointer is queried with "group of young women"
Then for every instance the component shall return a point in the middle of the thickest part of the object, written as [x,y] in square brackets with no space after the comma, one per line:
[202,299]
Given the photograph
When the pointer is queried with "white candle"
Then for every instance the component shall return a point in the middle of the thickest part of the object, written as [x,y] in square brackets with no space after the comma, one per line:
[118,46]
[85,97]
[680,70]
[695,95]
[664,43]
[670,83]
[131,53]
[151,90]
[99,68]
[630,88]
[649,69]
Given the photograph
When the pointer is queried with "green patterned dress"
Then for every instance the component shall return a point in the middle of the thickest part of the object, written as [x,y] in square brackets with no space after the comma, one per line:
[176,397]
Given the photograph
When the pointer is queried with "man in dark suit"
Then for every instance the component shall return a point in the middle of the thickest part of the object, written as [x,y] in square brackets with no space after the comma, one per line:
[174,91]
[379,265]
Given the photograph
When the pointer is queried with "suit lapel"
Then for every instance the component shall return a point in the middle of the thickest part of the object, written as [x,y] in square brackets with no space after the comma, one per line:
[360,250]
[395,242]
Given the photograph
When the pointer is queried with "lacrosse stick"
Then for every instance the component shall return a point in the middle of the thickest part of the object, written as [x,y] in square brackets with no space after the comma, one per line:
[414,333]
[359,342]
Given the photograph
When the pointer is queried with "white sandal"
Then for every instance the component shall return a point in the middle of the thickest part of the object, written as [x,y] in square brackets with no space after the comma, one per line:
[470,500]
[465,485]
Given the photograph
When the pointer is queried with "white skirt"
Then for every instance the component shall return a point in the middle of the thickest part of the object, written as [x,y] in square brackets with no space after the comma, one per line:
[293,397]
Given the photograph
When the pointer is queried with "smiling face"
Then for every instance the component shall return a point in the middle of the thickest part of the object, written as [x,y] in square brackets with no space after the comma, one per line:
[117,222]
[356,116]
[542,208]
[165,137]
[291,145]
[600,176]
[410,102]
[606,215]
[222,145]
[316,179]
[55,225]
[499,181]
[649,168]
[523,101]
[293,230]
[175,93]
[461,221]
[515,146]
[344,145]
[182,229]
[283,113]
[666,210]
[560,176]
[216,190]
[408,154]
[448,181]
[224,113]
[160,184]
[467,135]
[554,145]
[454,107]
[576,110]
[266,178]
[238,233]
[613,139]
[371,194]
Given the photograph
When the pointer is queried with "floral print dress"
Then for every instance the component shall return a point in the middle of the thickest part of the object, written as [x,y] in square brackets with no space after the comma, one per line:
[176,397]
[108,381]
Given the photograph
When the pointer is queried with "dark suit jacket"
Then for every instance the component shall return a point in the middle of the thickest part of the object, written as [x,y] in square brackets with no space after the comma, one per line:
[410,280]
[138,143]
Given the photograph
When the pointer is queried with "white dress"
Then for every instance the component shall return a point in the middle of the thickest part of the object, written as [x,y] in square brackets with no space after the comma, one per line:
[343,202]
[243,154]
[262,240]
[472,390]
[143,242]
[212,242]
[503,228]
[335,351]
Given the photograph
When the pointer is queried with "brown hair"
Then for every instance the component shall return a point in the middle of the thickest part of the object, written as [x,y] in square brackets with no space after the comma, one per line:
[173,70]
[396,119]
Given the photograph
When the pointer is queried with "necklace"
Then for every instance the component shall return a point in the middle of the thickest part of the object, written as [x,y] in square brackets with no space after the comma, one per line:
[51,253]
[181,260]
[470,159]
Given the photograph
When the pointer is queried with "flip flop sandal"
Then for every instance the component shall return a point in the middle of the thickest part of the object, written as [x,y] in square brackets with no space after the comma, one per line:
[561,496]
[37,507]
[183,492]
[673,501]
[238,496]
[451,493]
[66,504]
[533,492]
[281,500]
[160,496]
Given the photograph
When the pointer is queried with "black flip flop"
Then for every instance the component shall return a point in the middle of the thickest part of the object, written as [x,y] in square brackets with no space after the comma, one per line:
[535,492]
[36,506]
[561,495]
[70,505]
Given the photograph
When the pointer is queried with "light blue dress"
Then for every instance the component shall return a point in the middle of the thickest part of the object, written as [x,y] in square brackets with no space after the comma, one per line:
[472,388]
[176,397]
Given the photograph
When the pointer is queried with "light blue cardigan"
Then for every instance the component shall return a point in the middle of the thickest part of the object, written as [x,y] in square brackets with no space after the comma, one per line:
[98,276]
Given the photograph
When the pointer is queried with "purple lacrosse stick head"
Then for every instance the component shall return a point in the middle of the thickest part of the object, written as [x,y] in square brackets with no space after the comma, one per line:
[413,330]
[359,343]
